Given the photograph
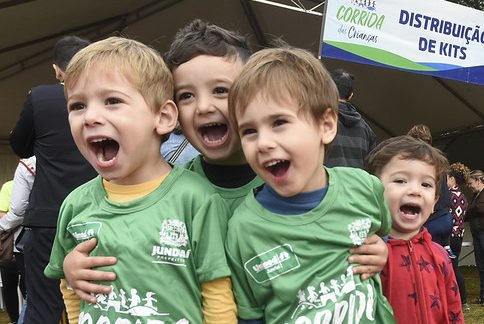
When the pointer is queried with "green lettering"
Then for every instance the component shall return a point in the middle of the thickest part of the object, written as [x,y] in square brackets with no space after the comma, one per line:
[379,23]
[355,15]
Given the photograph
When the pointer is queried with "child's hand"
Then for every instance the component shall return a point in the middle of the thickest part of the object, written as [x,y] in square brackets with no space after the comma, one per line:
[372,256]
[77,269]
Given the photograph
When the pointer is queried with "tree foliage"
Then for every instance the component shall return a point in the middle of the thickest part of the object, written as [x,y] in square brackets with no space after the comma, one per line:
[476,4]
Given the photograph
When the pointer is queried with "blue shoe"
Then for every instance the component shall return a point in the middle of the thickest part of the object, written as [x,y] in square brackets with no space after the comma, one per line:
[449,251]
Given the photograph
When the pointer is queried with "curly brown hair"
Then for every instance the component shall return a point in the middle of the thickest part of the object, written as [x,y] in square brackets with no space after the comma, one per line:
[459,172]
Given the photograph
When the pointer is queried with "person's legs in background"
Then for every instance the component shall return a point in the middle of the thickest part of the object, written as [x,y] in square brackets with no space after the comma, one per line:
[44,302]
[10,278]
[456,246]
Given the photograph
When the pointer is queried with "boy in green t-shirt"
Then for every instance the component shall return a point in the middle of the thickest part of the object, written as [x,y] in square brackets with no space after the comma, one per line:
[288,242]
[205,59]
[164,224]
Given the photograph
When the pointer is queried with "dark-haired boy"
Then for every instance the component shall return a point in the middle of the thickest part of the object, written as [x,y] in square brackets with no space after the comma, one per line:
[418,279]
[205,59]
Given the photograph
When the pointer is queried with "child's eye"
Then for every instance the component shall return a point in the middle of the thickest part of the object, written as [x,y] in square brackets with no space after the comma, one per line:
[427,185]
[221,90]
[76,106]
[112,101]
[184,96]
[248,131]
[279,122]
[399,181]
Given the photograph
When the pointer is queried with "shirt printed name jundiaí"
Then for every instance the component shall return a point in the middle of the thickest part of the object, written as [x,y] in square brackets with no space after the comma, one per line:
[166,244]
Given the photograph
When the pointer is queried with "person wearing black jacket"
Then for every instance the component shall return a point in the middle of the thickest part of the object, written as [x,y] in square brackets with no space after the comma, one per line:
[43,130]
[354,139]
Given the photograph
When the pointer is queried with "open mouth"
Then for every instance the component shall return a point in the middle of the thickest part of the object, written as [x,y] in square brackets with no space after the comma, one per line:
[105,149]
[411,210]
[214,134]
[277,168]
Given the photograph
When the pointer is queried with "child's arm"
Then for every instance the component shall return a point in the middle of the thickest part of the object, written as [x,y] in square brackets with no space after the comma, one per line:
[218,304]
[78,271]
[372,256]
[72,302]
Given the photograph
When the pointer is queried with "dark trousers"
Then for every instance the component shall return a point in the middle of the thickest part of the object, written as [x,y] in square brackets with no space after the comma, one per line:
[478,242]
[456,246]
[12,276]
[44,302]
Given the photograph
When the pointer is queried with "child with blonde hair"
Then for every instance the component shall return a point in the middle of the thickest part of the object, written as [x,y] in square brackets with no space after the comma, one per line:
[163,223]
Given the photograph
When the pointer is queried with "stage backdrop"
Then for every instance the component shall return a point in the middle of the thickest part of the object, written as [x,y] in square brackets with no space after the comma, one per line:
[433,37]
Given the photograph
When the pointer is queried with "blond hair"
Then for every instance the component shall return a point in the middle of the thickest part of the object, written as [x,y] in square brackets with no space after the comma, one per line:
[282,73]
[140,64]
[477,175]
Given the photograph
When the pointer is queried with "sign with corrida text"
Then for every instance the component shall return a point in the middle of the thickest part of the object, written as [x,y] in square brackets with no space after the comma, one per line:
[433,37]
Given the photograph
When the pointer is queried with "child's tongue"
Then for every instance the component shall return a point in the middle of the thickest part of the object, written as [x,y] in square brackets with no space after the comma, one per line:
[214,133]
[279,169]
[108,150]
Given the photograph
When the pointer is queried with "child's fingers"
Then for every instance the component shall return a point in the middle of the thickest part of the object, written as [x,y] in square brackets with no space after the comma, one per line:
[85,296]
[97,261]
[365,259]
[89,287]
[86,247]
[95,275]
[365,271]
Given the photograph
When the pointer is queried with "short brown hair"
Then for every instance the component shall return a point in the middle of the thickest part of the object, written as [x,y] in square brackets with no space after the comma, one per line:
[202,38]
[141,65]
[422,132]
[408,148]
[282,73]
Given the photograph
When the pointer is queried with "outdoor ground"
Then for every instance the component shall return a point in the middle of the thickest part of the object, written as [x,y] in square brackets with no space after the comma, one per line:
[474,316]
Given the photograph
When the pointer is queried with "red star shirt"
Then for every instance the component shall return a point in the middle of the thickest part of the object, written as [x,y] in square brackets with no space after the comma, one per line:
[419,282]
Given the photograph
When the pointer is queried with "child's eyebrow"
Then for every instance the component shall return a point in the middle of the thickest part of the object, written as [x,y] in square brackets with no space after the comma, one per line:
[244,125]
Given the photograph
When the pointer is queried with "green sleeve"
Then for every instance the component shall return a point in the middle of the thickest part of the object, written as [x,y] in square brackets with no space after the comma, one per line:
[63,244]
[5,193]
[385,217]
[208,236]
[247,305]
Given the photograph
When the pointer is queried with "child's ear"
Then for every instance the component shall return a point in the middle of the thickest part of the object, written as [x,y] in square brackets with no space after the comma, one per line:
[329,125]
[437,196]
[166,118]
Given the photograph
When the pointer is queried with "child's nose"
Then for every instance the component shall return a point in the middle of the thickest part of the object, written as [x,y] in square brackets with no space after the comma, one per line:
[93,115]
[265,142]
[205,105]
[415,188]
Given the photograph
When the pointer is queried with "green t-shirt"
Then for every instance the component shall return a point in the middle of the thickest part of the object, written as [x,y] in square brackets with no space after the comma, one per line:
[232,196]
[5,193]
[167,243]
[295,269]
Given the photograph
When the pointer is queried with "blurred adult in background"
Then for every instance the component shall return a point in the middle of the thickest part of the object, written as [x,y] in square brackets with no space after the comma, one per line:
[43,130]
[456,178]
[354,139]
[475,214]
[13,273]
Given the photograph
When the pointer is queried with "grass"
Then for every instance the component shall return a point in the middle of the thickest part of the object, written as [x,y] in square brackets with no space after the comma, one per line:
[471,276]
[474,316]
